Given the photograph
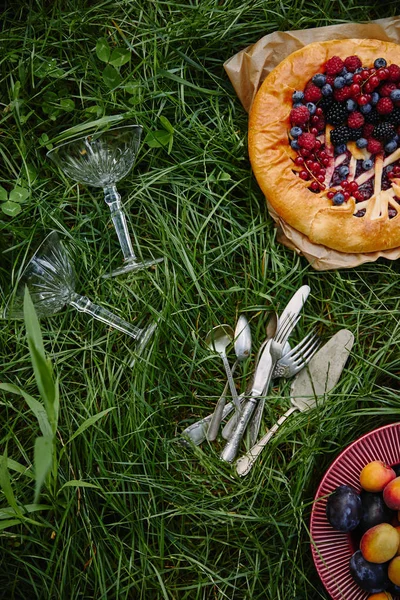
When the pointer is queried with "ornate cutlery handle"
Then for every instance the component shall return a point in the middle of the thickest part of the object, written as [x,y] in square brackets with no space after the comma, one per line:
[231,449]
[245,462]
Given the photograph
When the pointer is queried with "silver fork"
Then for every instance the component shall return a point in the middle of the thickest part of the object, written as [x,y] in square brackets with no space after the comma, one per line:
[287,366]
[229,452]
[293,366]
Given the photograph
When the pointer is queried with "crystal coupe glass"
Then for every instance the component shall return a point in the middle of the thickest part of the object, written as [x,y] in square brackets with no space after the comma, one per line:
[101,160]
[50,278]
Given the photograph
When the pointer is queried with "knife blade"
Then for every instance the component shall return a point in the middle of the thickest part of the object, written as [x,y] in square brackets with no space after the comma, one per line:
[308,388]
[292,311]
[263,372]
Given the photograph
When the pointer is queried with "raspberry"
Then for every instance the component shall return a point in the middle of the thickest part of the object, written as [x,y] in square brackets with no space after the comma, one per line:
[307,141]
[394,73]
[330,79]
[312,94]
[352,63]
[299,115]
[384,106]
[368,130]
[386,89]
[374,146]
[342,94]
[355,120]
[334,65]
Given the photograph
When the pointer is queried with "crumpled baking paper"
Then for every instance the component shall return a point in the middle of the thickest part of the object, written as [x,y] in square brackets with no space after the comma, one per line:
[247,70]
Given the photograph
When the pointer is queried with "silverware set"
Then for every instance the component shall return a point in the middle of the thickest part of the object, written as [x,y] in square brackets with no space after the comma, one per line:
[274,359]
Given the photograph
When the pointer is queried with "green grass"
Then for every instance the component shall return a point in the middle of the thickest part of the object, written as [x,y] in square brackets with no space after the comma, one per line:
[167,522]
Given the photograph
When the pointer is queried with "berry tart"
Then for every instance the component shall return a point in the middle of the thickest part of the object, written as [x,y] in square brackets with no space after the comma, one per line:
[324,143]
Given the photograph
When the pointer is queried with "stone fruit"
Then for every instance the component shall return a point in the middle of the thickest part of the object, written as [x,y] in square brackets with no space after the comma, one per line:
[374,510]
[375,476]
[371,577]
[380,543]
[343,508]
[394,570]
[391,494]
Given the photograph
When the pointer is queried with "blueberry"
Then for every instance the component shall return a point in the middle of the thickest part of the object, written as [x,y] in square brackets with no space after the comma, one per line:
[391,147]
[348,78]
[358,70]
[341,149]
[343,71]
[374,98]
[380,63]
[297,96]
[295,145]
[339,83]
[338,199]
[395,95]
[362,142]
[351,104]
[371,577]
[311,107]
[319,79]
[344,171]
[296,131]
[366,108]
[326,90]
[297,104]
[367,164]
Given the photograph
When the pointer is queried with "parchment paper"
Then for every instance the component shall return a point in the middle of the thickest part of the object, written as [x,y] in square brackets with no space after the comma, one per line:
[247,70]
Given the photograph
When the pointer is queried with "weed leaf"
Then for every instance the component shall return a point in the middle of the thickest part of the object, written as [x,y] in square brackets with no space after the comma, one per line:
[111,77]
[5,484]
[119,57]
[103,50]
[43,457]
[36,407]
[19,194]
[79,483]
[12,209]
[89,422]
[3,194]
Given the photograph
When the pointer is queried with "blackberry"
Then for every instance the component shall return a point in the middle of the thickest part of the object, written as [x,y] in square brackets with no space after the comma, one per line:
[372,117]
[325,103]
[394,116]
[340,135]
[355,134]
[336,113]
[384,132]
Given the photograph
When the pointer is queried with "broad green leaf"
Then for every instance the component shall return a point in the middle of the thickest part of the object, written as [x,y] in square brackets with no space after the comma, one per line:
[27,508]
[19,194]
[158,139]
[103,50]
[36,407]
[13,465]
[5,484]
[67,104]
[79,483]
[119,56]
[77,130]
[111,77]
[166,124]
[89,422]
[3,194]
[133,88]
[12,209]
[43,457]
[10,523]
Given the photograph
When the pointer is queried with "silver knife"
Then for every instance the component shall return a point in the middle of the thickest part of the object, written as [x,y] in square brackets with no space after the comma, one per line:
[263,371]
[311,384]
[292,311]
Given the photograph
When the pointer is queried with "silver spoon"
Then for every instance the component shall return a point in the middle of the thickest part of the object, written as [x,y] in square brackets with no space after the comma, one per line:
[218,339]
[272,326]
[242,346]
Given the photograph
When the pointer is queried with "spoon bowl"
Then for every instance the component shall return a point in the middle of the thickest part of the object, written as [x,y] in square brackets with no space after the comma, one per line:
[242,343]
[219,338]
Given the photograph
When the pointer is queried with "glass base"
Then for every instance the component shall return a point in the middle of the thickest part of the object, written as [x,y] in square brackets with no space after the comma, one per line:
[133,265]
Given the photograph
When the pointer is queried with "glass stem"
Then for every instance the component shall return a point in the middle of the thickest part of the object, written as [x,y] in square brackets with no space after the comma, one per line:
[113,199]
[84,305]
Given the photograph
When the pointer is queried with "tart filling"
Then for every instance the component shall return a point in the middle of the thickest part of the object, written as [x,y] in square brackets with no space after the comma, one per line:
[345,128]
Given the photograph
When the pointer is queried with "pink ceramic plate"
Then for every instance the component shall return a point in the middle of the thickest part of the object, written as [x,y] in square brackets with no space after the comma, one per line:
[332,549]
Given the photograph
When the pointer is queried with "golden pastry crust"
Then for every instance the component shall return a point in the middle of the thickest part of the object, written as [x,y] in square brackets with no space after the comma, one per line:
[272,157]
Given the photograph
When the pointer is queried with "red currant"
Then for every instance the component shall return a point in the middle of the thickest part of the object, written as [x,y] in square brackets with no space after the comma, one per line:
[330,195]
[346,195]
[353,186]
[355,89]
[357,78]
[299,161]
[362,100]
[303,175]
